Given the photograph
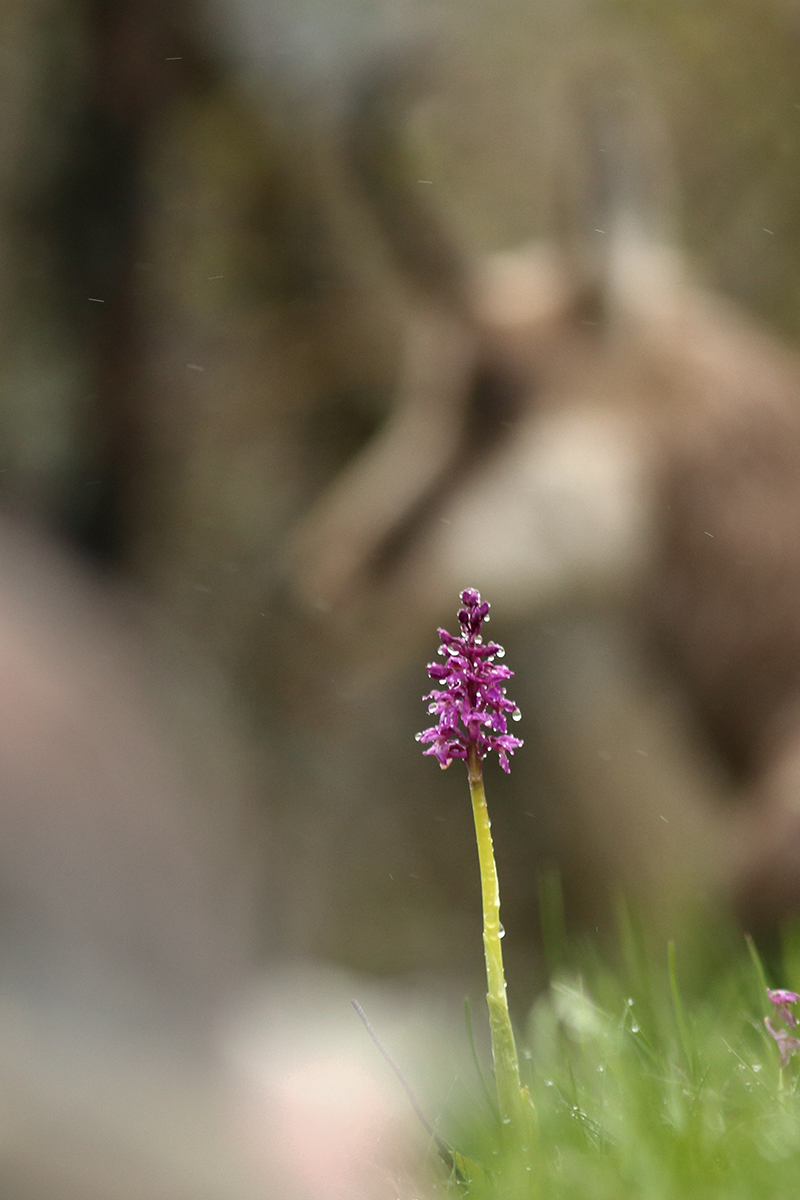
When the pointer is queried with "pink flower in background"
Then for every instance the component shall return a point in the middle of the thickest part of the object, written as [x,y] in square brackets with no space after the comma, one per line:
[787,1044]
[782,999]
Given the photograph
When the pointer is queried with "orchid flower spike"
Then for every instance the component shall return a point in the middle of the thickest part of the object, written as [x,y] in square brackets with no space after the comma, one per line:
[472,706]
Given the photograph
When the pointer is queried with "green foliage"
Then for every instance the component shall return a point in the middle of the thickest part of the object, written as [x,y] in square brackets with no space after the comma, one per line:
[650,1087]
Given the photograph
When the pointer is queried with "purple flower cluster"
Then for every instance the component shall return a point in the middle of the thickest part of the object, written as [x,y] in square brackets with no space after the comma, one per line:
[787,1044]
[472,706]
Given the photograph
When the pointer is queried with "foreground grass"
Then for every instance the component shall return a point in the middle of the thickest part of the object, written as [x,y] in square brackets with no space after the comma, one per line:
[643,1093]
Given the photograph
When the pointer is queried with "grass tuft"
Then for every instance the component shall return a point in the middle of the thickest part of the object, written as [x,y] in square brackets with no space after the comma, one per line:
[649,1091]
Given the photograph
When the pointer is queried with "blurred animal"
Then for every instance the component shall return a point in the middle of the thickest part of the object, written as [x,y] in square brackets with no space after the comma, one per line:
[199,337]
[609,453]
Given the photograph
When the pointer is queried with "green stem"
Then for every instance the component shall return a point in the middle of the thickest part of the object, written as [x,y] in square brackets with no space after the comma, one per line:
[677,1004]
[510,1096]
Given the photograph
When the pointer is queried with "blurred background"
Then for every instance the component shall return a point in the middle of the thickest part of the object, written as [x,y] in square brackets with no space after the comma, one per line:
[205,332]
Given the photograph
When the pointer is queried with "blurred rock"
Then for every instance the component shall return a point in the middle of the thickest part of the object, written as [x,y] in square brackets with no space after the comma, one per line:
[144,1050]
